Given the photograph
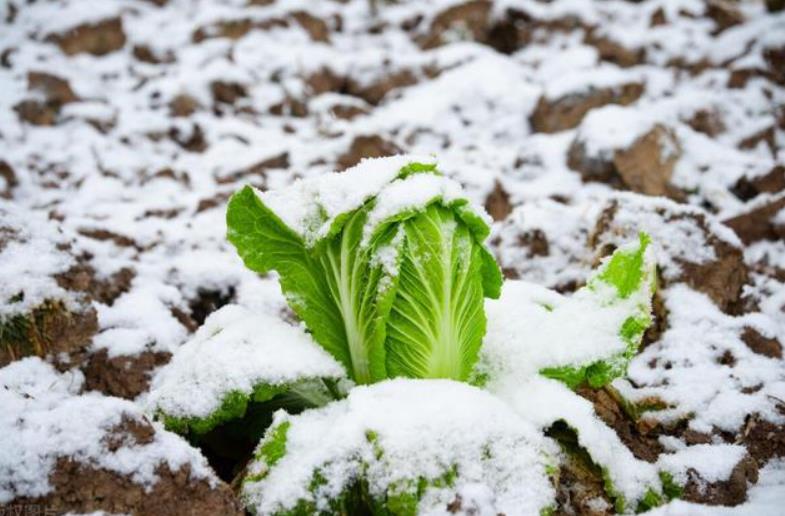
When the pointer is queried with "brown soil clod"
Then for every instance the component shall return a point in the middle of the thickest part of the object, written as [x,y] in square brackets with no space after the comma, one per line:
[634,434]
[125,376]
[764,440]
[759,222]
[580,488]
[469,20]
[129,432]
[227,92]
[707,121]
[81,488]
[49,329]
[9,180]
[614,52]
[183,105]
[374,92]
[98,39]
[497,204]
[730,492]
[51,92]
[725,14]
[83,278]
[722,278]
[279,161]
[646,166]
[370,146]
[760,344]
[316,28]
[566,112]
[772,182]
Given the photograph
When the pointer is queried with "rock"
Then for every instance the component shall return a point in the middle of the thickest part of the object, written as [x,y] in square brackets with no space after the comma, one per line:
[691,248]
[370,146]
[98,39]
[125,376]
[766,346]
[761,222]
[469,20]
[566,112]
[646,166]
[497,204]
[772,182]
[730,492]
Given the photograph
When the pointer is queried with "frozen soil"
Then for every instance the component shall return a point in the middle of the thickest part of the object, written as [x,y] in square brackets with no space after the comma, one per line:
[125,125]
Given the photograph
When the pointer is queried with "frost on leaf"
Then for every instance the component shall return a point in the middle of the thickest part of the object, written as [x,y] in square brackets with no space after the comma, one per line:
[402,447]
[384,263]
[239,356]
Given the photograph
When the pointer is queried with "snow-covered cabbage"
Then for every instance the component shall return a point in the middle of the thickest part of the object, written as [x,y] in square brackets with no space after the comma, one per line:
[402,447]
[239,357]
[384,263]
[586,338]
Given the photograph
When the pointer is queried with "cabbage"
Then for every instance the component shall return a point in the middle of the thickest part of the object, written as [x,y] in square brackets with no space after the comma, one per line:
[385,265]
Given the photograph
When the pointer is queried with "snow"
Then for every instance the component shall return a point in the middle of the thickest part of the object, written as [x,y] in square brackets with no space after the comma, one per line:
[543,402]
[610,128]
[44,418]
[530,328]
[584,81]
[686,375]
[29,258]
[765,497]
[713,462]
[468,110]
[236,350]
[410,194]
[423,428]
[310,206]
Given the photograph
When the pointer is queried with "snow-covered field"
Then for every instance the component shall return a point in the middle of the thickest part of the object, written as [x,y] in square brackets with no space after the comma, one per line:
[126,125]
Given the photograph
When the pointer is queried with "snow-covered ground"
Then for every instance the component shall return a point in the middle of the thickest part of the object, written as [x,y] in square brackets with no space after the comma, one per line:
[125,125]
